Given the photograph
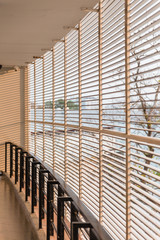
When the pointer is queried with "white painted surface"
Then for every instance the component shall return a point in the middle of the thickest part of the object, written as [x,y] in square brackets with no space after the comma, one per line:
[28,26]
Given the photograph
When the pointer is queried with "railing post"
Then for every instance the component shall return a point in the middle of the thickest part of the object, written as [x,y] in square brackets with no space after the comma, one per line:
[76,226]
[60,216]
[60,191]
[50,209]
[74,232]
[34,187]
[21,170]
[27,190]
[40,199]
[49,194]
[60,213]
[35,190]
[50,178]
[92,235]
[11,160]
[26,186]
[6,156]
[16,164]
[41,195]
[74,214]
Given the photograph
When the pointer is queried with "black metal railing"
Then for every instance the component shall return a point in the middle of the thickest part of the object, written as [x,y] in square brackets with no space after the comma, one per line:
[65,216]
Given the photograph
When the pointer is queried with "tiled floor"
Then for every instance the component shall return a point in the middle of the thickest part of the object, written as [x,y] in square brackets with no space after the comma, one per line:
[13,224]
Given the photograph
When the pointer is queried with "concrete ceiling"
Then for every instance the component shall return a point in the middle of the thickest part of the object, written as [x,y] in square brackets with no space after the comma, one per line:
[28,26]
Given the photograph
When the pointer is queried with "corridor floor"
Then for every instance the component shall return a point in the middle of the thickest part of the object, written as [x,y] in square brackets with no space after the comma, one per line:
[13,224]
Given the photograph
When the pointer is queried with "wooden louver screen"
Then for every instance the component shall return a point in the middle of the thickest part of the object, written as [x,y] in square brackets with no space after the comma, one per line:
[94,114]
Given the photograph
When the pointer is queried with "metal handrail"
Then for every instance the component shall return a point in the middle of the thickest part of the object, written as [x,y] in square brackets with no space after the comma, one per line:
[31,174]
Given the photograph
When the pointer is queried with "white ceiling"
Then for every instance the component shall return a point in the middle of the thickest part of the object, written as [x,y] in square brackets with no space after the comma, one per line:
[27,26]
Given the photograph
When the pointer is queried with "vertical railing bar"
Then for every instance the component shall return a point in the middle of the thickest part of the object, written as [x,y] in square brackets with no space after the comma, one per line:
[60,191]
[100,107]
[80,108]
[92,235]
[11,160]
[65,109]
[6,157]
[33,187]
[34,190]
[50,178]
[127,96]
[21,170]
[29,181]
[27,190]
[41,194]
[76,226]
[40,199]
[74,214]
[48,210]
[74,233]
[60,216]
[23,167]
[16,165]
[26,186]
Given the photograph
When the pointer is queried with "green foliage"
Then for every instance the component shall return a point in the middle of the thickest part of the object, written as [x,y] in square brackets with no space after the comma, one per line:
[155,172]
[49,104]
[60,104]
[72,105]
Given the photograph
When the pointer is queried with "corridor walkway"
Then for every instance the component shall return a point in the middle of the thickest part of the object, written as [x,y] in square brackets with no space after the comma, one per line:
[13,224]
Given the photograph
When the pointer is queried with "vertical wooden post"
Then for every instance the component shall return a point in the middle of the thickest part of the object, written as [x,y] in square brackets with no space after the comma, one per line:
[43,111]
[100,107]
[22,106]
[65,109]
[80,110]
[26,109]
[53,110]
[35,107]
[127,95]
